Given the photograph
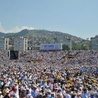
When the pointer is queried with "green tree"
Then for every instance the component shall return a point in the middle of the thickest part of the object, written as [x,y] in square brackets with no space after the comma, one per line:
[65,47]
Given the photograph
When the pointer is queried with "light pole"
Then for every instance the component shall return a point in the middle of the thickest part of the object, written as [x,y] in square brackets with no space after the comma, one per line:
[70,44]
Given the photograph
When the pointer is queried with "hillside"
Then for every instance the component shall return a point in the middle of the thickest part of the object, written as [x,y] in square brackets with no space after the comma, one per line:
[2,34]
[37,37]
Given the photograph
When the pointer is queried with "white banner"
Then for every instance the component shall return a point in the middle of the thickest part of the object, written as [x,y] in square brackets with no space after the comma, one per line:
[51,46]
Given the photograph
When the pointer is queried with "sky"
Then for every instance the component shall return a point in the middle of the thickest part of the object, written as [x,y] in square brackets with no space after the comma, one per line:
[75,17]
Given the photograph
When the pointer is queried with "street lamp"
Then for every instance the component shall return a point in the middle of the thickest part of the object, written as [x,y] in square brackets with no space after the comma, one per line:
[70,43]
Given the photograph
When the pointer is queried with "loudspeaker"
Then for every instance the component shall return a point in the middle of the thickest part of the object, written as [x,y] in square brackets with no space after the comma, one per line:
[13,54]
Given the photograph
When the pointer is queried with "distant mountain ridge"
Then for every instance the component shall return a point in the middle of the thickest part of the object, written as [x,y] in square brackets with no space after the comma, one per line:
[21,33]
[28,32]
[2,34]
[37,37]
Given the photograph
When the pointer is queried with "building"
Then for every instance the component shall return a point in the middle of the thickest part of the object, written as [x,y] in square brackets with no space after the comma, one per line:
[94,43]
[21,44]
[4,43]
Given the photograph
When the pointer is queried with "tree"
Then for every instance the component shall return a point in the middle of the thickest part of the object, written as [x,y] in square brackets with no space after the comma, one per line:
[65,47]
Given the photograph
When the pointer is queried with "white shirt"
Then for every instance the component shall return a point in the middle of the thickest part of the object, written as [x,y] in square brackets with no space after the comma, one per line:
[68,96]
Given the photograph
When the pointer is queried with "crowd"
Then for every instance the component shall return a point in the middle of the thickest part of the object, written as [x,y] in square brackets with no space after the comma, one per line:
[49,74]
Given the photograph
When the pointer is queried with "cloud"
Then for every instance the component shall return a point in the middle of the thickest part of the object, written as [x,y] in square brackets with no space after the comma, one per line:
[15,29]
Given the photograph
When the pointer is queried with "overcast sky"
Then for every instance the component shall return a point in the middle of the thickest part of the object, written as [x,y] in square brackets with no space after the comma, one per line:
[76,17]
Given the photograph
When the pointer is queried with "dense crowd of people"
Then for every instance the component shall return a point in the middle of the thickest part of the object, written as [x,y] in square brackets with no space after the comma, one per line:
[49,74]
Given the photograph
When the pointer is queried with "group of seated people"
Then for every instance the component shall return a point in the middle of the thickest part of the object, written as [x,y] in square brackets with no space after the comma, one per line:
[49,74]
